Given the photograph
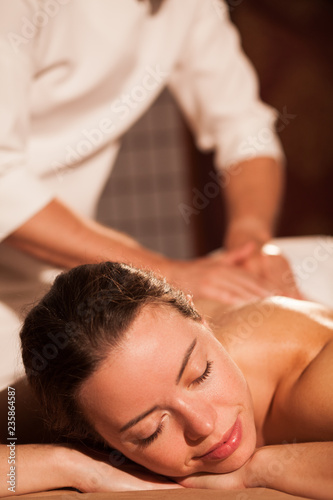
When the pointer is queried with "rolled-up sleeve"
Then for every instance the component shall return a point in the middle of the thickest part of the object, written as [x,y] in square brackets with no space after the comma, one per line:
[217,89]
[22,194]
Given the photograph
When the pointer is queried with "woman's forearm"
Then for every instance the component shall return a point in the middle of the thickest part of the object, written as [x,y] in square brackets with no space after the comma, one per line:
[35,468]
[304,469]
[48,467]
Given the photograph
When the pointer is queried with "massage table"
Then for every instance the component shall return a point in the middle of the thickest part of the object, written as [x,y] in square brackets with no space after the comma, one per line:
[184,494]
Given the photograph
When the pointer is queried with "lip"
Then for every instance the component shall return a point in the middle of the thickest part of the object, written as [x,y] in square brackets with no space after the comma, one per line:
[228,444]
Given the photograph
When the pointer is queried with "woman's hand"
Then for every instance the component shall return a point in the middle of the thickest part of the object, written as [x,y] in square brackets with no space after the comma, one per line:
[103,477]
[301,469]
[235,480]
[92,475]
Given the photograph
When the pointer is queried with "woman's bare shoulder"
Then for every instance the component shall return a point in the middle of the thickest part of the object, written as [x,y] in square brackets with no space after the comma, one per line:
[284,347]
[302,408]
[291,343]
[277,319]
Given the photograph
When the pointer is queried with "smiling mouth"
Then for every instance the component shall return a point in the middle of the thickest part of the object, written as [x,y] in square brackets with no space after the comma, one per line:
[228,444]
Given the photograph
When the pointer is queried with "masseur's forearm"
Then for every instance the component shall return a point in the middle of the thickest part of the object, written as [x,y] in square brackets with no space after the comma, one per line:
[253,198]
[61,237]
[303,469]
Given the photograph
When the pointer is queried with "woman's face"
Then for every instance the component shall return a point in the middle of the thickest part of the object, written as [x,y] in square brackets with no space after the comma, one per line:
[169,395]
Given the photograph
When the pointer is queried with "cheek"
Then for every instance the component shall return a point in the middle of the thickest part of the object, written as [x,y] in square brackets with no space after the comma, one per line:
[229,385]
[165,459]
[169,461]
[167,455]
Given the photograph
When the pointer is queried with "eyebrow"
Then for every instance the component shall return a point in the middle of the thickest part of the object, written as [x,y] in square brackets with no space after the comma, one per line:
[185,361]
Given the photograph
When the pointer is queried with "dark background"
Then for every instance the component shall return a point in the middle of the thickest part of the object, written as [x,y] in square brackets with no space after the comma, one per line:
[290,44]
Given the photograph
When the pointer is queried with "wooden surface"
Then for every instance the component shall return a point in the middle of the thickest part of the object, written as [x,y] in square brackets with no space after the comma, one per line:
[185,494]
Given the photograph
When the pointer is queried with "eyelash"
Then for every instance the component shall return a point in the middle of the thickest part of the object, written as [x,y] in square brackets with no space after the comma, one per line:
[146,442]
[206,373]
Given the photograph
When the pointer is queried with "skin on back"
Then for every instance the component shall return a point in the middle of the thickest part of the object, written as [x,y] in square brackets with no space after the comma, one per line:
[284,348]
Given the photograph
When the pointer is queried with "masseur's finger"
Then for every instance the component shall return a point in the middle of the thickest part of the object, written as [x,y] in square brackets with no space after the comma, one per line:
[277,269]
[211,277]
[237,255]
[233,289]
[240,254]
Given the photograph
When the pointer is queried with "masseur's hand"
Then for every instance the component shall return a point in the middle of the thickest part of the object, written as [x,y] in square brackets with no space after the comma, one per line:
[262,260]
[60,236]
[219,277]
[268,263]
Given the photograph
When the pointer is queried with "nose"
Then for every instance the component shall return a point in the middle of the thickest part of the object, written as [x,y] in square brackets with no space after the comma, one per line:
[199,419]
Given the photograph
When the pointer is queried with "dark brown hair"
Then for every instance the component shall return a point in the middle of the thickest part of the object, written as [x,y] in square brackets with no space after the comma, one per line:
[84,316]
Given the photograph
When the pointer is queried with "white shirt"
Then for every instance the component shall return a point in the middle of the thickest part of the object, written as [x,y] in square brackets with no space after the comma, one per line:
[76,74]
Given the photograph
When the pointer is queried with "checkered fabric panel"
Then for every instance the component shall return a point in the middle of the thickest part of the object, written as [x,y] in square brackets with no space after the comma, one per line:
[149,181]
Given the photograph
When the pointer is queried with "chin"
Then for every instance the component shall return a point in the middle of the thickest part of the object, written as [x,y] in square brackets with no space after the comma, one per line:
[233,463]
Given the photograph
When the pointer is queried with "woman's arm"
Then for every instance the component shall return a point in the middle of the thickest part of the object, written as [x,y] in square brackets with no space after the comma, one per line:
[31,468]
[303,469]
[46,467]
[42,466]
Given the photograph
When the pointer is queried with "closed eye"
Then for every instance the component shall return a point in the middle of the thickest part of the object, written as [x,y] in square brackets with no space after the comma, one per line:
[143,443]
[206,373]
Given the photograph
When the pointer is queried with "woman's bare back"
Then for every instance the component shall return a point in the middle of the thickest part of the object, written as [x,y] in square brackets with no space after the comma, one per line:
[285,349]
